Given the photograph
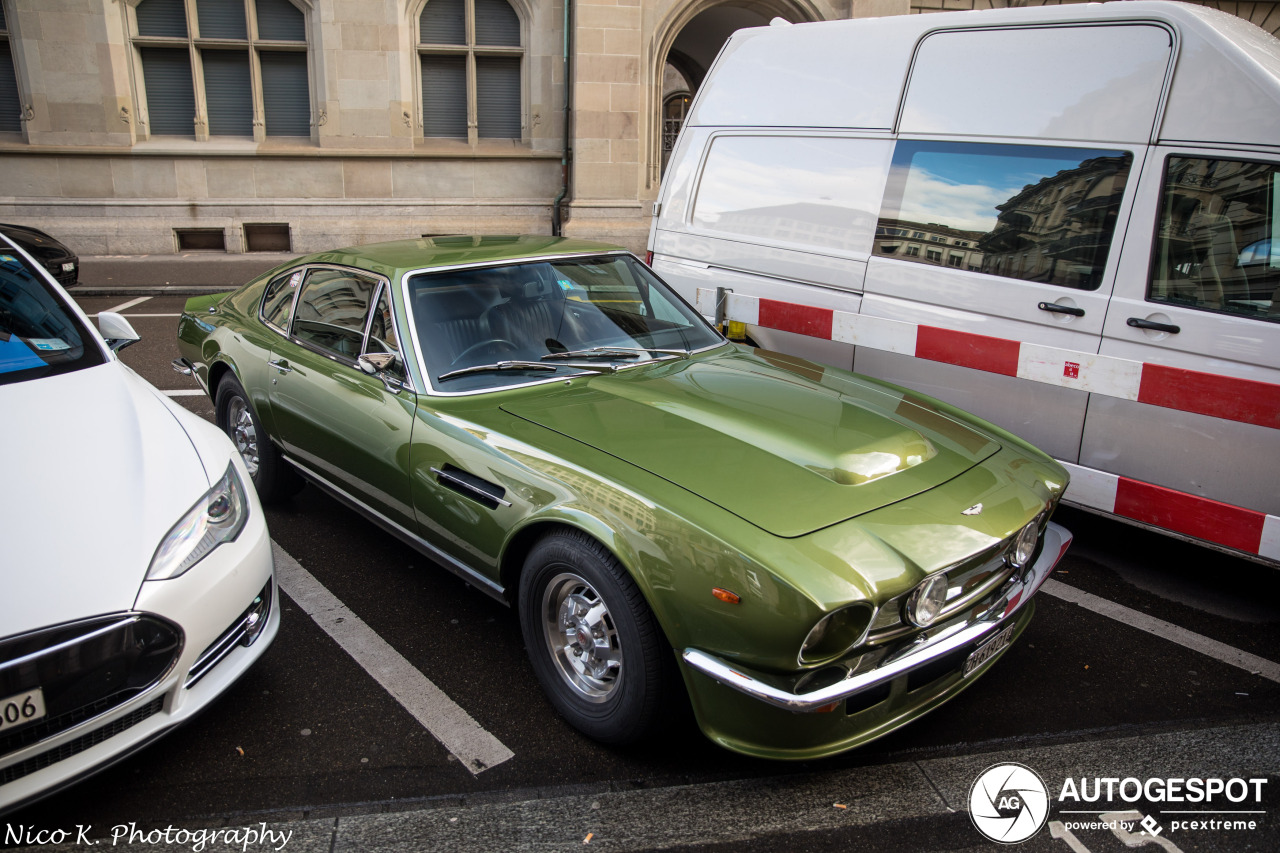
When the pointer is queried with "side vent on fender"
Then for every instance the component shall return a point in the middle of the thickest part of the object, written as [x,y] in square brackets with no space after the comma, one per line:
[471,486]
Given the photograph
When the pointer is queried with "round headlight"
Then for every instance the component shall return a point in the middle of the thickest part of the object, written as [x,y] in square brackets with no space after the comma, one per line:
[836,633]
[925,601]
[1024,546]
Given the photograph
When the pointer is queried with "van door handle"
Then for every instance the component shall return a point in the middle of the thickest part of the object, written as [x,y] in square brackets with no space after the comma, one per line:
[1139,323]
[1061,309]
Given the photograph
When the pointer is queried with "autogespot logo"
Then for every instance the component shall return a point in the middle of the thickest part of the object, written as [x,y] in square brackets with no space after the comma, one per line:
[1009,803]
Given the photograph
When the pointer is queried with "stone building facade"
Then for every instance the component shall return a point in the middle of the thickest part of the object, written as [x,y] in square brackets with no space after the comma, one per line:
[158,126]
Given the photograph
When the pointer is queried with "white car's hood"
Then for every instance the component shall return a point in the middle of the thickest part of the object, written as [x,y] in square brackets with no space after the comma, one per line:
[96,470]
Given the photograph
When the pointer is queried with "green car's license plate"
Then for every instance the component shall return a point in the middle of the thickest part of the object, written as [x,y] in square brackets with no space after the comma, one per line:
[988,650]
[21,708]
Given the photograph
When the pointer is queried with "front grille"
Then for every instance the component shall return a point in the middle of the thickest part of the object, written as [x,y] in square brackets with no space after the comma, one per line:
[987,571]
[243,632]
[66,279]
[80,744]
[85,669]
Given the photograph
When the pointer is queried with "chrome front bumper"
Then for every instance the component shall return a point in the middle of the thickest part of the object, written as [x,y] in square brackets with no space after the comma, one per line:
[927,647]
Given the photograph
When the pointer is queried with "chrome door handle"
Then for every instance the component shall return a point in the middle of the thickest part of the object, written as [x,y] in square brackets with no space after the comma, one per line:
[281,365]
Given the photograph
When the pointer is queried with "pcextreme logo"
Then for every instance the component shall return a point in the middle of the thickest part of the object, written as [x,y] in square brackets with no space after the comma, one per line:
[1009,803]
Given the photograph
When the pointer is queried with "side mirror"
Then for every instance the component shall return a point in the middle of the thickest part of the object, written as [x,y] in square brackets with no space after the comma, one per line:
[374,363]
[116,331]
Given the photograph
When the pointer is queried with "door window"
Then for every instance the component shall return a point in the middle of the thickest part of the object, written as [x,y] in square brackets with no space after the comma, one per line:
[332,309]
[1035,213]
[1218,243]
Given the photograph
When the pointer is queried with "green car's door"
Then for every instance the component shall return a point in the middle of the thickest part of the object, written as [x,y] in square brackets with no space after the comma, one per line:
[341,424]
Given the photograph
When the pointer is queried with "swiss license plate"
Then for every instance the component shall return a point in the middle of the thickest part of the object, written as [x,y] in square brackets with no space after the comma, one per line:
[68,267]
[988,650]
[21,708]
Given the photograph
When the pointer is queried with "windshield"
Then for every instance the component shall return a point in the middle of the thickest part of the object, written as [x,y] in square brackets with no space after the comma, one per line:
[39,336]
[493,327]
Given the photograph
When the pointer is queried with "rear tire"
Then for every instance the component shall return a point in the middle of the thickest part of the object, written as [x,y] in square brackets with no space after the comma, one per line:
[593,641]
[272,477]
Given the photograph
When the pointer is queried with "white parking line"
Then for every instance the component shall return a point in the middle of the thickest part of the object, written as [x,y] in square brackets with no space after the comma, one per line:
[1166,630]
[127,305]
[474,747]
[194,392]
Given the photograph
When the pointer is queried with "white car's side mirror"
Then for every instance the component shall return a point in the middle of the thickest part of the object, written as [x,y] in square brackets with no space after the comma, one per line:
[116,331]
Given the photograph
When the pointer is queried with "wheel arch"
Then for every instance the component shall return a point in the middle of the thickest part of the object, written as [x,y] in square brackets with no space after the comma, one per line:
[522,541]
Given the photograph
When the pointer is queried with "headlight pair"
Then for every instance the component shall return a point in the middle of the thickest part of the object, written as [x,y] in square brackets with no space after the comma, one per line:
[217,517]
[927,601]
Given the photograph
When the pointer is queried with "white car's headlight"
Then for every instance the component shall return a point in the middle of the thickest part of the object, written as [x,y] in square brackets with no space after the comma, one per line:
[217,517]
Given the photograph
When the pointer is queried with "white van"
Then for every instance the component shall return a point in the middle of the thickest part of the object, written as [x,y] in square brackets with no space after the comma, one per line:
[1065,219]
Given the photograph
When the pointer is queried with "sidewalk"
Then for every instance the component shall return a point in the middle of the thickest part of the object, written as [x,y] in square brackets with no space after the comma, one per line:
[186,274]
[822,810]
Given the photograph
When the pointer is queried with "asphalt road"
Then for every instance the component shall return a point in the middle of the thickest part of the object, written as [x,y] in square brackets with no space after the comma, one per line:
[310,743]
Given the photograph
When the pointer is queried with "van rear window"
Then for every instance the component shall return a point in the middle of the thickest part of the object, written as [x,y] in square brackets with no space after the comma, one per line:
[810,191]
[1037,213]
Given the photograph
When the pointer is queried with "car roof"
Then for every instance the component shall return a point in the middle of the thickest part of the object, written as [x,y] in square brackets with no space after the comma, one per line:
[445,251]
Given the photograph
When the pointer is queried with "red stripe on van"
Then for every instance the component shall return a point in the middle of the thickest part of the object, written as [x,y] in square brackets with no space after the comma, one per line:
[1202,518]
[801,319]
[1241,400]
[994,355]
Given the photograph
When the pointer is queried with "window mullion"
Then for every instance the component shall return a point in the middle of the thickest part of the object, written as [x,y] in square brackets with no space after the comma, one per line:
[201,119]
[255,72]
[473,119]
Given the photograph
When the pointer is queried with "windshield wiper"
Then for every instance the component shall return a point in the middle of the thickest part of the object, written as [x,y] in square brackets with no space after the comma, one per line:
[615,352]
[524,365]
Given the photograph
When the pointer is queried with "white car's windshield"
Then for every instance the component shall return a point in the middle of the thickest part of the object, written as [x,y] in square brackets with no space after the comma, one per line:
[39,336]
[497,326]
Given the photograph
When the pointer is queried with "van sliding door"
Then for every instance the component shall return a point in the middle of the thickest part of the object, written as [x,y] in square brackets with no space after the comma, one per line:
[1001,256]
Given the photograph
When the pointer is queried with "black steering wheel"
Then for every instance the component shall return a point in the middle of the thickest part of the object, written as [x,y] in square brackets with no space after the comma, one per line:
[478,346]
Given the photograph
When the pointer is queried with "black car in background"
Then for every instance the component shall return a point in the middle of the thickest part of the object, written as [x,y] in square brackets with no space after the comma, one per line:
[60,261]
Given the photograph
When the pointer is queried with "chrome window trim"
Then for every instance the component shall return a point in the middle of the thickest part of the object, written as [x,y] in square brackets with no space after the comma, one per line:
[432,391]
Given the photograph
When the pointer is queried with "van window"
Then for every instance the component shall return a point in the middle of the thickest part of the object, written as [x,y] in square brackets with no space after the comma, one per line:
[1030,212]
[813,191]
[1218,245]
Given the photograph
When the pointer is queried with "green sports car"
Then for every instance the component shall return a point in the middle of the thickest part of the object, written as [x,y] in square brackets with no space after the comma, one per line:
[816,557]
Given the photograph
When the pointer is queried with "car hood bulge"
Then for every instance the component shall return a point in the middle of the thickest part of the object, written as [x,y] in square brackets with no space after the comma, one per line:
[97,470]
[790,448]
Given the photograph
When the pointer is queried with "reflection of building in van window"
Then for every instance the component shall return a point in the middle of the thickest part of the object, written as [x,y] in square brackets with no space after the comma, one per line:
[1214,248]
[1036,213]
[1059,230]
[929,243]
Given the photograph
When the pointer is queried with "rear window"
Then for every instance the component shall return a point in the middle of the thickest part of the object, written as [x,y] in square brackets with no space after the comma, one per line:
[814,191]
[1035,213]
[39,335]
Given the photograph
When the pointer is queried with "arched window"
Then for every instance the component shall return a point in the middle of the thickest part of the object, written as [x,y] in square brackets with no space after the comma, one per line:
[224,67]
[472,56]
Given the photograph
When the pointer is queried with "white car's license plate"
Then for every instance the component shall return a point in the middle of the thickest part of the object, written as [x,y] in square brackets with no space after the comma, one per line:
[21,708]
[988,650]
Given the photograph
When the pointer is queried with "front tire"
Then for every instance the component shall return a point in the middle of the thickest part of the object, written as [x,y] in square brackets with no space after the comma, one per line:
[595,645]
[272,477]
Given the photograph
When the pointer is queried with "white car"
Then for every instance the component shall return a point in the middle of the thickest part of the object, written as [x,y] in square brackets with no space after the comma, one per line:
[136,569]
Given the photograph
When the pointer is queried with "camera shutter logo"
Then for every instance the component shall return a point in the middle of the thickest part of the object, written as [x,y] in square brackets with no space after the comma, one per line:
[1009,803]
